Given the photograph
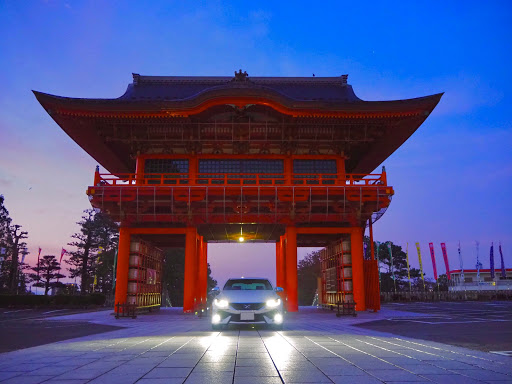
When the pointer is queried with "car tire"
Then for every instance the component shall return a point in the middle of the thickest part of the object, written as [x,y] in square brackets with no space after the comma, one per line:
[216,327]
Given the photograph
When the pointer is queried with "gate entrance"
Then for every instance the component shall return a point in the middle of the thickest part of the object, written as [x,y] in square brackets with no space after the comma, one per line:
[193,160]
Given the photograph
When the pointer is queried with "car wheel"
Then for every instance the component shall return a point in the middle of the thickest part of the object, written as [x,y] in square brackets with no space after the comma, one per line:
[216,327]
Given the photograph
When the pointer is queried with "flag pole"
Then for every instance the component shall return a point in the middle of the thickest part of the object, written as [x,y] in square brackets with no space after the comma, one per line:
[462,273]
[408,271]
[392,269]
[478,264]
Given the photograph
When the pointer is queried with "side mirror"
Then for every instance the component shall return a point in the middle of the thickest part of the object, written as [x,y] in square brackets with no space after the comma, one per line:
[215,291]
[279,289]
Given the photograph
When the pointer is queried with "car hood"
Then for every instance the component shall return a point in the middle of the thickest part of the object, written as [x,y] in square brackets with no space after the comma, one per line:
[249,296]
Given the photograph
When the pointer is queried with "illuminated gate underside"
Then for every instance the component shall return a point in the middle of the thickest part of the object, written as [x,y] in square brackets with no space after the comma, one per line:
[194,160]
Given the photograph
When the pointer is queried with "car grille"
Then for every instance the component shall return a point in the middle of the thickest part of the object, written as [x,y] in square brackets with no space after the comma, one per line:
[247,306]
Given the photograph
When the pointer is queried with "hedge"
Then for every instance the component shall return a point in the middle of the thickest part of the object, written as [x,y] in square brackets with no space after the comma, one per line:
[95,299]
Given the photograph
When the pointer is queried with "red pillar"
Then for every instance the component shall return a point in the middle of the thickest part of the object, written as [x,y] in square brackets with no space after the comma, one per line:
[203,271]
[291,269]
[279,264]
[372,250]
[139,170]
[191,268]
[123,264]
[356,240]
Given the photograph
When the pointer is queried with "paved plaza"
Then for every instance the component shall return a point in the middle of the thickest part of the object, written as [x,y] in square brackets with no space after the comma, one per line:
[314,347]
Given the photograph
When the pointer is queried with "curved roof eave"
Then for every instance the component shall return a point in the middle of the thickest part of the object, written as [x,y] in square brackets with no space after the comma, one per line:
[239,97]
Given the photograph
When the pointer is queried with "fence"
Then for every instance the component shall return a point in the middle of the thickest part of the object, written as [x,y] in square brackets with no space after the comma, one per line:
[387,297]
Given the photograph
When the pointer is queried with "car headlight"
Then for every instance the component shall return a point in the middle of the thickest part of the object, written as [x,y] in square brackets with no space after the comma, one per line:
[273,303]
[221,303]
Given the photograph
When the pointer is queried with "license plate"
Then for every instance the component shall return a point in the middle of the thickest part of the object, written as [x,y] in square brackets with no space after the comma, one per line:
[247,316]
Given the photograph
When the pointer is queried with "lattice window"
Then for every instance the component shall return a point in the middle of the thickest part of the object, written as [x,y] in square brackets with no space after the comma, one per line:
[166,166]
[241,166]
[314,166]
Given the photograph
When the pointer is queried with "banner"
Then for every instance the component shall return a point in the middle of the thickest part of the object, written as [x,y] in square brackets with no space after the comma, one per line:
[62,253]
[478,263]
[503,270]
[461,266]
[407,258]
[421,264]
[115,272]
[431,246]
[95,282]
[445,257]
[38,255]
[378,261]
[491,261]
[391,257]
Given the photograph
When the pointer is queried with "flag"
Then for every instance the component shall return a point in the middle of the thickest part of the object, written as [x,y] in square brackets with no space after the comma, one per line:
[407,258]
[461,266]
[478,263]
[431,246]
[503,270]
[62,253]
[445,257]
[491,261]
[115,271]
[38,255]
[95,282]
[391,257]
[419,259]
[378,261]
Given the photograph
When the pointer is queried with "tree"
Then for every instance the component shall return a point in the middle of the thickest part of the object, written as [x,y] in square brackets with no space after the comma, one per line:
[5,227]
[173,276]
[17,244]
[398,268]
[47,273]
[104,277]
[442,282]
[11,246]
[308,272]
[96,230]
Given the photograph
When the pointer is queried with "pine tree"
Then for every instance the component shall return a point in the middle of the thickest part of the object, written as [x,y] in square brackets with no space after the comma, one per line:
[308,272]
[173,274]
[96,230]
[5,235]
[47,273]
[11,247]
[17,245]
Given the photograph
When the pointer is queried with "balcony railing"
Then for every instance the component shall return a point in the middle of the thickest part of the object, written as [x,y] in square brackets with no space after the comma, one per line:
[215,179]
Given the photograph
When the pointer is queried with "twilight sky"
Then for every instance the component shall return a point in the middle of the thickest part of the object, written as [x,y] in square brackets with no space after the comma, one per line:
[452,178]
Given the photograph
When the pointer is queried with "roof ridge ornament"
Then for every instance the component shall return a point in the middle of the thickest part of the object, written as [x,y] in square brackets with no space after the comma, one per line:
[241,76]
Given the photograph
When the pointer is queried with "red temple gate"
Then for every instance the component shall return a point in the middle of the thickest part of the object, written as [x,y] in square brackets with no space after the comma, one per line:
[194,160]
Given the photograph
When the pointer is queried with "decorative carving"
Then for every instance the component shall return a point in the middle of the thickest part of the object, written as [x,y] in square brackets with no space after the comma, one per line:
[241,147]
[241,76]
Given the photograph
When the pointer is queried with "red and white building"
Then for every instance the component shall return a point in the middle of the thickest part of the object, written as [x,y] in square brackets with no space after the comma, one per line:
[473,282]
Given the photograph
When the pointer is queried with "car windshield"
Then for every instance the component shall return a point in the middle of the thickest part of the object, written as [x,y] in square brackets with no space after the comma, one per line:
[247,285]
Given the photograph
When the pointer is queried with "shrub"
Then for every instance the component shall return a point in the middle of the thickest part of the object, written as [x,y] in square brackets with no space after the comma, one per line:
[95,299]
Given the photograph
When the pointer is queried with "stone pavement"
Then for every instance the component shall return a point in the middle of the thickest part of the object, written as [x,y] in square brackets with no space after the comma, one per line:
[314,347]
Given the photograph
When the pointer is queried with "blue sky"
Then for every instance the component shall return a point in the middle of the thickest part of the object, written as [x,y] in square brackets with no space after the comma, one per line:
[453,178]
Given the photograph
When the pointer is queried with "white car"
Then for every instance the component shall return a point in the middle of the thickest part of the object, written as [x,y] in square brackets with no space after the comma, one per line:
[247,301]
